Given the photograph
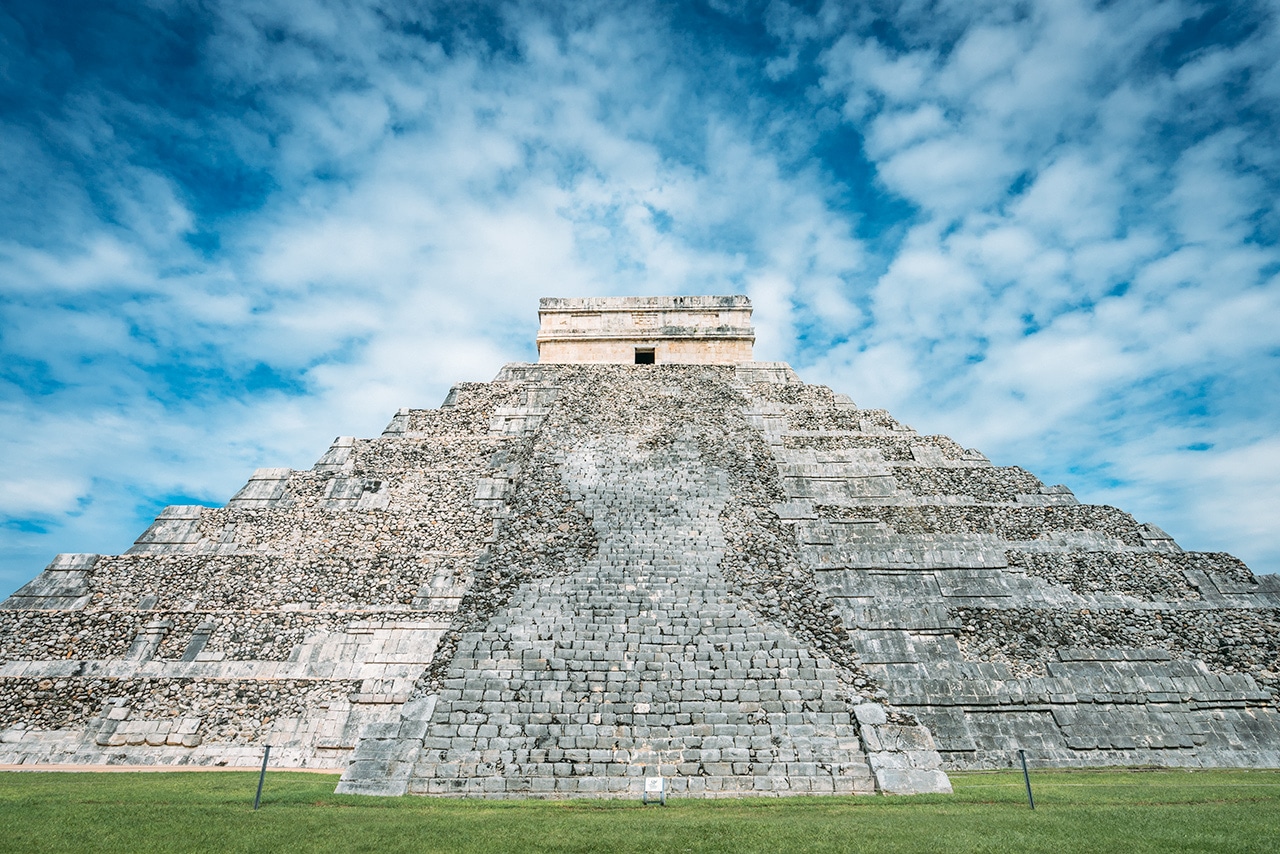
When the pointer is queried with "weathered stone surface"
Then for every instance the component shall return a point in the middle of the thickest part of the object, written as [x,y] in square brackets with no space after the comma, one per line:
[699,330]
[1005,615]
[580,575]
[645,650]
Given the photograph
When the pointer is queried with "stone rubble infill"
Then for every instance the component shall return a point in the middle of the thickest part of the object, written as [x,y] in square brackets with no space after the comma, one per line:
[227,711]
[1234,640]
[40,635]
[1011,523]
[792,394]
[181,635]
[391,458]
[995,484]
[893,448]
[196,582]
[1150,576]
[845,419]
[390,531]
[470,410]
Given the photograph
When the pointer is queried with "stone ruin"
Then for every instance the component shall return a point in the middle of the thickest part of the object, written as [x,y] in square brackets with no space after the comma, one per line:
[646,330]
[591,572]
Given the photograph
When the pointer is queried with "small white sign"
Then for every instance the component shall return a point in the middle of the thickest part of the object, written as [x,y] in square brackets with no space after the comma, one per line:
[653,785]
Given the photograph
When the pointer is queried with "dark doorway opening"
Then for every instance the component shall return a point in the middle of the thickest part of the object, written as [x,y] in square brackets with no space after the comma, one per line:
[644,356]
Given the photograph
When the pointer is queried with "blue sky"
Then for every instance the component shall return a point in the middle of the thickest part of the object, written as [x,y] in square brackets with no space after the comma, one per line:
[230,231]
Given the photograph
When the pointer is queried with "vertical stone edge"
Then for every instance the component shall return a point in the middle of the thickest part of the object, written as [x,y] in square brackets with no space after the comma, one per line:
[387,752]
[903,756]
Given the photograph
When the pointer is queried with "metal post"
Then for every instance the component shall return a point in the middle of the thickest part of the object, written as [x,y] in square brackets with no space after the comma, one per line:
[1026,778]
[257,799]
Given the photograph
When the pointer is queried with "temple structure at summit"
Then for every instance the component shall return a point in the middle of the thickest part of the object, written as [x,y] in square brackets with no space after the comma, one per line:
[645,556]
[691,330]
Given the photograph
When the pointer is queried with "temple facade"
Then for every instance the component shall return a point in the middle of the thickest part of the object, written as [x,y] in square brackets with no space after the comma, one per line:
[692,330]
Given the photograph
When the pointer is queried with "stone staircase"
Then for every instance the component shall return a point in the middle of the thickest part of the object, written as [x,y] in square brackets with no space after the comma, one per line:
[642,662]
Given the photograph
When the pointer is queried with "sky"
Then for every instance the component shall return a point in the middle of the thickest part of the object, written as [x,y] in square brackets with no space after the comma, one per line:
[231,230]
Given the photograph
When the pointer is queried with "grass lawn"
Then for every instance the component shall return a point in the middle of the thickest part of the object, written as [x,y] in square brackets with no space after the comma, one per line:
[1125,811]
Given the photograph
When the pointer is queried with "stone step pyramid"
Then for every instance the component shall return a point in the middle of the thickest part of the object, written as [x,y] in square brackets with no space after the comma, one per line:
[645,556]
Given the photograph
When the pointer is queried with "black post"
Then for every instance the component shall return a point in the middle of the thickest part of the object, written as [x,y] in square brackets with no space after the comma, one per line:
[257,799]
[1026,778]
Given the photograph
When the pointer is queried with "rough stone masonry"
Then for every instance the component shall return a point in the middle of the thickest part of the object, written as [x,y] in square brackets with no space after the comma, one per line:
[687,564]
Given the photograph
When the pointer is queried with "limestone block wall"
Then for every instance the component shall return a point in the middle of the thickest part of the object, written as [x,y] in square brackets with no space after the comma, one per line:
[622,350]
[702,330]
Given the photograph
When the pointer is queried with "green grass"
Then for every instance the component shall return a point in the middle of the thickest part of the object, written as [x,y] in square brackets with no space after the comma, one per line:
[1126,811]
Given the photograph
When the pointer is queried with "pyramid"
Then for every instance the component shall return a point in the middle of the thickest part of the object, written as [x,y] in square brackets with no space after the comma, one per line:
[646,556]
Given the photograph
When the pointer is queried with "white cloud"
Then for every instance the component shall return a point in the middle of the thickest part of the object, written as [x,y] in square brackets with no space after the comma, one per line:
[99,261]
[893,130]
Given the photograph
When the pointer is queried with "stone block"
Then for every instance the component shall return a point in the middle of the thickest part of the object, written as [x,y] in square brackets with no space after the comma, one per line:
[870,713]
[899,781]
